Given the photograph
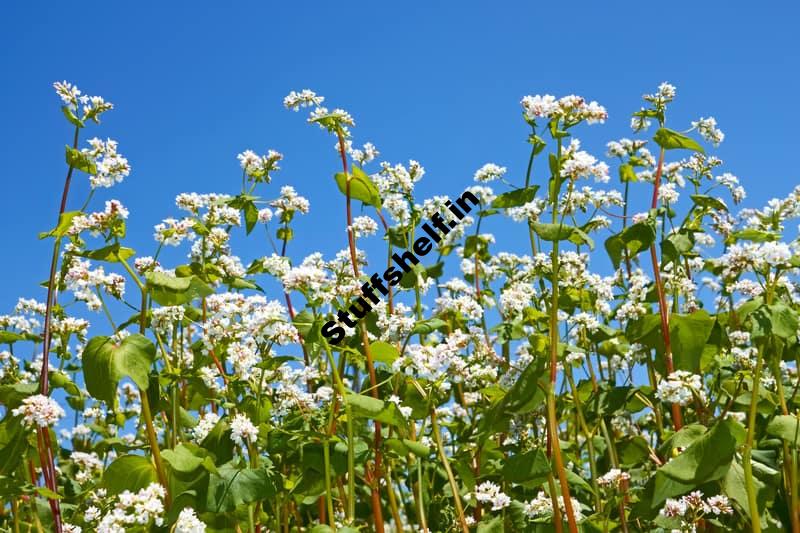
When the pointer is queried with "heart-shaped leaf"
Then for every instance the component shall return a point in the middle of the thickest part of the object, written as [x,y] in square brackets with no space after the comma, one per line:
[105,363]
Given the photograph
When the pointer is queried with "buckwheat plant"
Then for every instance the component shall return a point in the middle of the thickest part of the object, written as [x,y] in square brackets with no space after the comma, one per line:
[630,366]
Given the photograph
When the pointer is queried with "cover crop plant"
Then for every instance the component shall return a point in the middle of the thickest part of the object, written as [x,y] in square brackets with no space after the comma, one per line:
[633,367]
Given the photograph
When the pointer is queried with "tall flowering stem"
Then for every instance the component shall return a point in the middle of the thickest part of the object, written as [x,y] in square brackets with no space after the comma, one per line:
[677,416]
[552,419]
[46,451]
[375,475]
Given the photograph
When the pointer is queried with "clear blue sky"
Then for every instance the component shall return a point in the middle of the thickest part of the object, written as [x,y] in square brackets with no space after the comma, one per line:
[195,83]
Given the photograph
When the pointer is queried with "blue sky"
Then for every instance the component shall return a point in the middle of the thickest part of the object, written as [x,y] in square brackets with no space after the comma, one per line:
[195,83]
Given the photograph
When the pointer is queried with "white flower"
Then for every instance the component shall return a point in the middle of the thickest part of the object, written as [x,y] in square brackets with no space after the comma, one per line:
[111,166]
[39,410]
[489,172]
[243,431]
[305,98]
[679,387]
[613,478]
[259,167]
[189,523]
[572,108]
[707,128]
[204,426]
[364,226]
[488,492]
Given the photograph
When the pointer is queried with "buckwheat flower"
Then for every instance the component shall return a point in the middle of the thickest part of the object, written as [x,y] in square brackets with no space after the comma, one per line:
[289,203]
[639,122]
[665,94]
[366,154]
[222,215]
[264,215]
[718,505]
[776,254]
[145,264]
[172,232]
[305,98]
[732,183]
[679,387]
[68,93]
[71,528]
[108,220]
[542,506]
[258,167]
[243,357]
[668,193]
[580,164]
[40,411]
[94,106]
[489,172]
[88,465]
[111,167]
[516,297]
[613,478]
[91,514]
[242,430]
[276,265]
[707,128]
[163,318]
[336,120]
[210,376]
[188,522]
[674,508]
[205,424]
[364,226]
[404,410]
[397,207]
[488,492]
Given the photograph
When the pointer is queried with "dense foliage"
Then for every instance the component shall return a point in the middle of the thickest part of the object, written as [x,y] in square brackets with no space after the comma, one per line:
[529,393]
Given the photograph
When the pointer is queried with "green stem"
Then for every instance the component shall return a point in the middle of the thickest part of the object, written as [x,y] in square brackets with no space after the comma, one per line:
[446,464]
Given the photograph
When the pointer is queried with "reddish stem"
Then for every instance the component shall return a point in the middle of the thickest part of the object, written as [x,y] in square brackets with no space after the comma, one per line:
[373,380]
[677,416]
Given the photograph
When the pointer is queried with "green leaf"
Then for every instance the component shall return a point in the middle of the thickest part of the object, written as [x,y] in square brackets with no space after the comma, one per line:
[106,363]
[635,239]
[689,334]
[527,466]
[515,198]
[425,327]
[169,290]
[672,140]
[186,458]
[11,395]
[75,121]
[233,487]
[786,427]
[361,187]
[250,216]
[383,352]
[562,232]
[735,487]
[406,446]
[709,202]
[375,409]
[493,525]
[113,253]
[777,319]
[129,472]
[61,229]
[627,173]
[708,458]
[10,337]
[80,161]
[13,444]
